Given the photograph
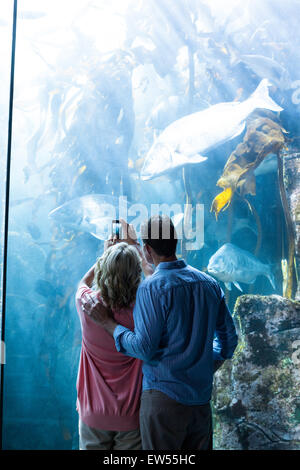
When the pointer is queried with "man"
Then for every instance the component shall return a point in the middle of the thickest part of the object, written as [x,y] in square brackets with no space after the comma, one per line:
[183,332]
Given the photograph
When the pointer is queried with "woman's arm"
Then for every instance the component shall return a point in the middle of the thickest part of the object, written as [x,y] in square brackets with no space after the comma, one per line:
[88,278]
[91,305]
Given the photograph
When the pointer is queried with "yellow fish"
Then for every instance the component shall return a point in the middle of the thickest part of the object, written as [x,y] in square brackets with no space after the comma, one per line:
[221,201]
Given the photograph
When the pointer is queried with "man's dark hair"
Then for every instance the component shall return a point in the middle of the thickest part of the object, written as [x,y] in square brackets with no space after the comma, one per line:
[159,233]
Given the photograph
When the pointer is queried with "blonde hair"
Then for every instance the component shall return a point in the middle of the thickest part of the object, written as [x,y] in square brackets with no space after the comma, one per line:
[117,275]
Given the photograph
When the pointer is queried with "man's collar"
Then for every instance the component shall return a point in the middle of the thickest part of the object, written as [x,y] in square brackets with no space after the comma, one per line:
[177,264]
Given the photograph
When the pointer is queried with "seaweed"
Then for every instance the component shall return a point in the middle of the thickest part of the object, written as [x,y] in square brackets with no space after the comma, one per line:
[263,136]
[290,232]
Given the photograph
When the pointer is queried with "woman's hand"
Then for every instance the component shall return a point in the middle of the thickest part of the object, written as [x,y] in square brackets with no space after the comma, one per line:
[128,233]
[110,242]
[100,314]
[129,236]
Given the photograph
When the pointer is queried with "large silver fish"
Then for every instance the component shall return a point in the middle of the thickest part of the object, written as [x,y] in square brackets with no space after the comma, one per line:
[92,213]
[186,140]
[231,264]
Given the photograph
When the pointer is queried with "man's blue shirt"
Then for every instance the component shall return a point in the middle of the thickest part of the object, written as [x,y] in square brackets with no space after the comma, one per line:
[182,324]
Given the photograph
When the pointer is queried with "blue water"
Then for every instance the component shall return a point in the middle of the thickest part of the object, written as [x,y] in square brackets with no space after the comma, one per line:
[95,85]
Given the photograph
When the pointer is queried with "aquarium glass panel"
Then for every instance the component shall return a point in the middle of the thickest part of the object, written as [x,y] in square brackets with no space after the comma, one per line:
[133,108]
[6,15]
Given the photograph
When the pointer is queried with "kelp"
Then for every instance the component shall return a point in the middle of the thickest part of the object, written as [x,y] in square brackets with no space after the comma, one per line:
[289,287]
[263,136]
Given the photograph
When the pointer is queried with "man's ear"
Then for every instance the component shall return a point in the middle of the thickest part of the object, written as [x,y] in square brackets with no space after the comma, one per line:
[148,253]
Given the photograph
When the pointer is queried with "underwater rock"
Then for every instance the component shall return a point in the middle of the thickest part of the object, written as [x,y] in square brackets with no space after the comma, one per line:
[291,172]
[256,394]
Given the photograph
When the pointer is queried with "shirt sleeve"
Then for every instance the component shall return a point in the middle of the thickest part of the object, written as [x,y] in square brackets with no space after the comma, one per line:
[149,319]
[226,338]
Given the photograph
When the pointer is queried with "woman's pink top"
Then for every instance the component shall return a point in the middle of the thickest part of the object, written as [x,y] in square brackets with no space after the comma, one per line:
[109,383]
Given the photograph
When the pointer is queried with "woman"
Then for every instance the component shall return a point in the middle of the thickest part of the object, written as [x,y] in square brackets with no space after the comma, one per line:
[109,383]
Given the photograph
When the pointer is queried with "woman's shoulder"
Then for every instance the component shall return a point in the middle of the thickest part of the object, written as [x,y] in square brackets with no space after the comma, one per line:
[124,316]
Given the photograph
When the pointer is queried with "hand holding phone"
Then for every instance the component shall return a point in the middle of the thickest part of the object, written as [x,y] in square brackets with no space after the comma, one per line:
[116,228]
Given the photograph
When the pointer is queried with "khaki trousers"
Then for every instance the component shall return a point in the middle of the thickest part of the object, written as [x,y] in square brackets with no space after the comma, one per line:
[97,439]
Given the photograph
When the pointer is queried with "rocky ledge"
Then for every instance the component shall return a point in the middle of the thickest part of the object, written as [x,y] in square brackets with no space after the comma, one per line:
[256,400]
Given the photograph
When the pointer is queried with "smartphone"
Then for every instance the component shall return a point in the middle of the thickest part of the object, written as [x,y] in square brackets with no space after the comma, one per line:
[116,229]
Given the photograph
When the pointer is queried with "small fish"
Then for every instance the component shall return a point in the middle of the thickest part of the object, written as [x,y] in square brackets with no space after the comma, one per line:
[231,264]
[187,139]
[266,67]
[92,213]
